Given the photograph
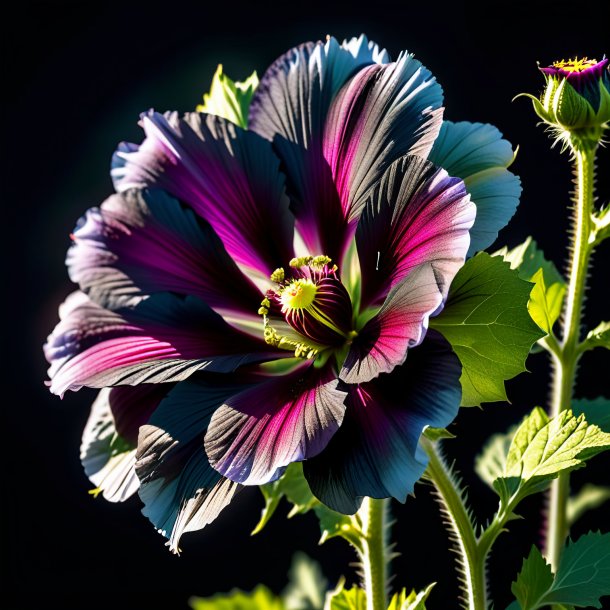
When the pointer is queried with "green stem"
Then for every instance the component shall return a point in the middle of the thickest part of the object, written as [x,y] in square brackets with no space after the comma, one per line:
[566,357]
[374,552]
[473,562]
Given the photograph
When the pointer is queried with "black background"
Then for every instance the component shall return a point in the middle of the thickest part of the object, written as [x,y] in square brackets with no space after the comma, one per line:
[75,77]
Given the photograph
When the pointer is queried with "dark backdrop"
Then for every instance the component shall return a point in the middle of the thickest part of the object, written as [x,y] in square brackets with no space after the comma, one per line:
[75,77]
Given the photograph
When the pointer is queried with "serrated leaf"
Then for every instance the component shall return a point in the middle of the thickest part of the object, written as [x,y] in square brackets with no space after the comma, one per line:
[490,463]
[435,434]
[588,498]
[229,99]
[291,485]
[413,601]
[542,448]
[583,576]
[527,258]
[596,411]
[598,337]
[307,586]
[533,581]
[345,599]
[488,325]
[546,299]
[259,599]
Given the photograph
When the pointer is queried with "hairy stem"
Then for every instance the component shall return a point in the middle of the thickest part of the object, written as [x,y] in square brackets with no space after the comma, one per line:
[566,357]
[473,562]
[374,551]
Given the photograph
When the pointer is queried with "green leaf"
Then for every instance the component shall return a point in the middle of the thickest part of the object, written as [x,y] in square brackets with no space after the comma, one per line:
[533,582]
[229,99]
[259,599]
[435,434]
[547,296]
[601,222]
[596,411]
[490,463]
[307,587]
[542,448]
[598,337]
[345,599]
[527,259]
[413,601]
[545,303]
[588,498]
[291,485]
[294,487]
[488,325]
[583,576]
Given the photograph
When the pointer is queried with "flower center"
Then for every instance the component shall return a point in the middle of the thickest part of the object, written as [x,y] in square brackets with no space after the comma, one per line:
[575,65]
[310,310]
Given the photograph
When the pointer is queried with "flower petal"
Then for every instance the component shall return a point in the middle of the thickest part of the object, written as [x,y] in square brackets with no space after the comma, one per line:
[164,338]
[290,107]
[400,325]
[479,155]
[375,453]
[143,242]
[258,432]
[180,490]
[416,214]
[380,115]
[108,448]
[229,176]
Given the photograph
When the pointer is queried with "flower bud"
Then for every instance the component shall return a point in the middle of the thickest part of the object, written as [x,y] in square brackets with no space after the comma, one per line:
[576,100]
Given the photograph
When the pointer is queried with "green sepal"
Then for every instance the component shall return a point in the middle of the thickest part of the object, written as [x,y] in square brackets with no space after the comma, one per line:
[487,323]
[294,487]
[582,578]
[259,599]
[412,601]
[229,99]
[345,599]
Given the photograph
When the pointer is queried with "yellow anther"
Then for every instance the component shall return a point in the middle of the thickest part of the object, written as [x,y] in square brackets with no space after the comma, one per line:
[574,65]
[263,311]
[278,275]
[266,303]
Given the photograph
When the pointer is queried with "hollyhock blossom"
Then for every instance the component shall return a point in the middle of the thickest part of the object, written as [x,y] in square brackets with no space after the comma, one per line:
[256,297]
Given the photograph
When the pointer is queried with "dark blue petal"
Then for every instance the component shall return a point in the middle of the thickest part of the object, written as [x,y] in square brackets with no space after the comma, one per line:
[375,453]
[477,153]
[180,490]
[143,242]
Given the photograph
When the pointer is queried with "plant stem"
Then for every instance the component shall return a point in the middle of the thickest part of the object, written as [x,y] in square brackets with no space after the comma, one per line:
[566,357]
[374,552]
[473,561]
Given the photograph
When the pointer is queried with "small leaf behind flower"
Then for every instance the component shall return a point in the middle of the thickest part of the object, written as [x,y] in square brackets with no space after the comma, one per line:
[294,487]
[259,599]
[345,599]
[307,587]
[487,323]
[413,601]
[229,99]
[583,576]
